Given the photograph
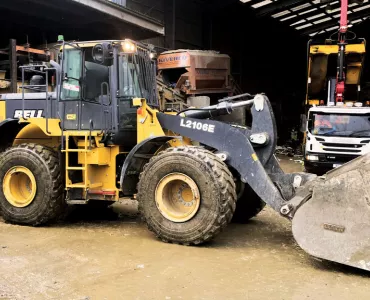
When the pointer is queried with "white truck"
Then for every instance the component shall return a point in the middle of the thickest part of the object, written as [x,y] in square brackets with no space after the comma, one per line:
[335,135]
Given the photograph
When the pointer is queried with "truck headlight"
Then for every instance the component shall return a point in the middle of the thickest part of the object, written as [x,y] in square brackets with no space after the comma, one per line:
[312,157]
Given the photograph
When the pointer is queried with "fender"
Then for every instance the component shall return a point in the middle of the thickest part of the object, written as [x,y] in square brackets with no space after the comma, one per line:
[136,160]
[9,129]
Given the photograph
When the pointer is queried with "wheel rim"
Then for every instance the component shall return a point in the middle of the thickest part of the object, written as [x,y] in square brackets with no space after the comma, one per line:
[19,186]
[177,197]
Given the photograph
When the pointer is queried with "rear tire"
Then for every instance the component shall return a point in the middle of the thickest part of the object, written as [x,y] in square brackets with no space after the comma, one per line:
[31,185]
[168,193]
[248,206]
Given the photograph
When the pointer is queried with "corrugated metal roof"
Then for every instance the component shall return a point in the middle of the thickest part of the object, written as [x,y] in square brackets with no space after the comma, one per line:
[310,17]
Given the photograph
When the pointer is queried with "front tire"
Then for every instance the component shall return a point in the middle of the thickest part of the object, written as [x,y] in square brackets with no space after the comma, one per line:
[248,206]
[31,185]
[186,195]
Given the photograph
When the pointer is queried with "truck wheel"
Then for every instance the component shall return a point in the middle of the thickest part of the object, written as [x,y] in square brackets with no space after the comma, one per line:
[314,170]
[248,206]
[186,195]
[32,185]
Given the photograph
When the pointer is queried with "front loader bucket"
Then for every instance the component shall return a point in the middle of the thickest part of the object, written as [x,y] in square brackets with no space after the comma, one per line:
[335,223]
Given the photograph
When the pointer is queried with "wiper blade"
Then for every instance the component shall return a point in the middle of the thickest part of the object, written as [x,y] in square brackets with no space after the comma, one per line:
[333,131]
[359,131]
[326,133]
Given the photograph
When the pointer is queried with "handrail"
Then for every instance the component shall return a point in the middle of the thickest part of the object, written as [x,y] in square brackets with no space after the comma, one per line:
[44,71]
[102,103]
[90,132]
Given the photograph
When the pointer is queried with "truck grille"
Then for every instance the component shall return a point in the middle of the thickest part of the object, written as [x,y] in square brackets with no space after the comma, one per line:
[343,145]
[342,150]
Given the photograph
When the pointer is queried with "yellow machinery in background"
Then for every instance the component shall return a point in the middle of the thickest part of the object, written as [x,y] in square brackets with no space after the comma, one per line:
[322,72]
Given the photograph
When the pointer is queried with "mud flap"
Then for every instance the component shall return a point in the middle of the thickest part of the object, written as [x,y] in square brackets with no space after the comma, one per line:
[335,223]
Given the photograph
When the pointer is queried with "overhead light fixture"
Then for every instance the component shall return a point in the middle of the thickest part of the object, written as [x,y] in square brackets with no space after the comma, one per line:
[245,1]
[356,1]
[328,9]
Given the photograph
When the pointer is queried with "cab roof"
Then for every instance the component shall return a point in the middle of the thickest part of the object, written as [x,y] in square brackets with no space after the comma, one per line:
[341,109]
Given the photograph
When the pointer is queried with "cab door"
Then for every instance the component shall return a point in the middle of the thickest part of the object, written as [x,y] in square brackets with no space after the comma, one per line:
[85,100]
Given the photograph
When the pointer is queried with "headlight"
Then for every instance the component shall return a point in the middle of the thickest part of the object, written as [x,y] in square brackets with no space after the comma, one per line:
[312,157]
[128,47]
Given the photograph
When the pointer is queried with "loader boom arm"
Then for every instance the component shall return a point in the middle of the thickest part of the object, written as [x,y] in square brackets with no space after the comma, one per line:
[248,151]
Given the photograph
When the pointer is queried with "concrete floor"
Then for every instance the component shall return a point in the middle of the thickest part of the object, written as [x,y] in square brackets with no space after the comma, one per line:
[122,260]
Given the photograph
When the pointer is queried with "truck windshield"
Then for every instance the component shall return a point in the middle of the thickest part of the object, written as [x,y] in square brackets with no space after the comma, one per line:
[349,125]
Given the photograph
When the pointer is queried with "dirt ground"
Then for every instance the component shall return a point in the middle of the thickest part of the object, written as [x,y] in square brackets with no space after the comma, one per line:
[121,260]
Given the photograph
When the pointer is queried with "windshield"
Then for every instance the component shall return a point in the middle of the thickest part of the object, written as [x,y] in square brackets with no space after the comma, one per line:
[340,124]
[129,85]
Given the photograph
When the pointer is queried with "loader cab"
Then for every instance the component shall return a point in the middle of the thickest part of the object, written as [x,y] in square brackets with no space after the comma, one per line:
[99,81]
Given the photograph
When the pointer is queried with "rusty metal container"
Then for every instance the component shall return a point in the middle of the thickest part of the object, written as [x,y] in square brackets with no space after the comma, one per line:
[196,72]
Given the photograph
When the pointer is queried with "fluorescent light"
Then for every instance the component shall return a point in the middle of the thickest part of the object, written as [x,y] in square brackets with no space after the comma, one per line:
[298,22]
[316,16]
[280,14]
[322,20]
[307,11]
[361,7]
[287,18]
[332,28]
[263,3]
[335,9]
[301,6]
[303,26]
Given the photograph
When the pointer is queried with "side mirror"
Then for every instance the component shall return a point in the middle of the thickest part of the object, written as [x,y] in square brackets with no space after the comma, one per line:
[309,123]
[103,54]
[58,70]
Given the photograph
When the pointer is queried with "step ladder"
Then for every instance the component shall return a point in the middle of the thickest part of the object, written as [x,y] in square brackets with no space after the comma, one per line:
[85,184]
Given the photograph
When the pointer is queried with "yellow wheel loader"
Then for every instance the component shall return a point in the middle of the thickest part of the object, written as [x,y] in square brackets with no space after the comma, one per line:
[100,137]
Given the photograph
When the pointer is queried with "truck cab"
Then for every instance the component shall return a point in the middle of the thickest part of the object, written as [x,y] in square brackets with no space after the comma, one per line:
[336,135]
[336,132]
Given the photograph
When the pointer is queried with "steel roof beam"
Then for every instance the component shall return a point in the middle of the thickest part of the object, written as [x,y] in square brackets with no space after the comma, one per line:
[124,14]
[327,24]
[306,16]
[277,6]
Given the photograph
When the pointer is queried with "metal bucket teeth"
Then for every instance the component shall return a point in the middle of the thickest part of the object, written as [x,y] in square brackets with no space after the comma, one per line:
[335,223]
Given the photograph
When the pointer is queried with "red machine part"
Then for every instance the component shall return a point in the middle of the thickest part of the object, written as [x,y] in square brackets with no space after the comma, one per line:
[343,16]
[341,77]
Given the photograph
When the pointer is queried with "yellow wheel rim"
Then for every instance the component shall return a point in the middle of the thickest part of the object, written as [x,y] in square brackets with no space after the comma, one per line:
[177,197]
[19,186]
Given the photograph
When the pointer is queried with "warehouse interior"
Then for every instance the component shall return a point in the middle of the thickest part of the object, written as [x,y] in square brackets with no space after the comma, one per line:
[266,40]
[148,162]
